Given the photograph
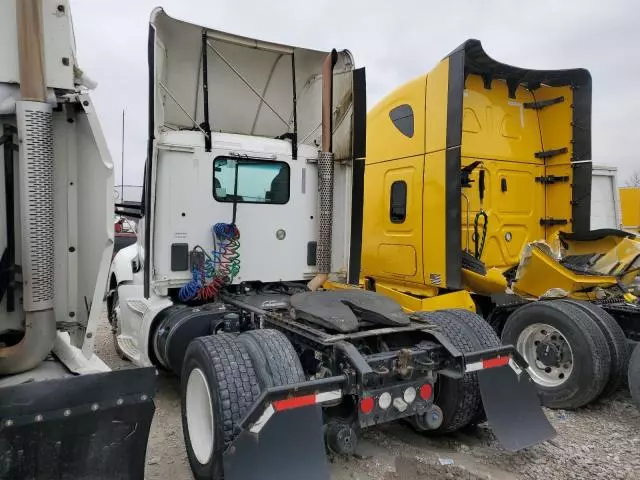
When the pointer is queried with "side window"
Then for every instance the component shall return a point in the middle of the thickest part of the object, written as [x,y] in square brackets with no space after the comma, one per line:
[398,207]
[246,180]
[402,118]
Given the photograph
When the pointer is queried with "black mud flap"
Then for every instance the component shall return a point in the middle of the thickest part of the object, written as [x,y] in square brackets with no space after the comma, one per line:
[289,447]
[92,426]
[513,408]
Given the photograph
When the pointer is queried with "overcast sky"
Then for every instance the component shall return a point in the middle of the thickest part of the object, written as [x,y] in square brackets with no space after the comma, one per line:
[395,40]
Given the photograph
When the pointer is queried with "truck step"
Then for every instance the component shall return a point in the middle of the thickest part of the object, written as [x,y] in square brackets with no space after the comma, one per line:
[129,346]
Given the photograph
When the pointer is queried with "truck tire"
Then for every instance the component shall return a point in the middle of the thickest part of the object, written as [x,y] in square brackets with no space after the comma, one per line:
[274,358]
[218,386]
[486,338]
[616,340]
[113,306]
[457,398]
[567,352]
[634,376]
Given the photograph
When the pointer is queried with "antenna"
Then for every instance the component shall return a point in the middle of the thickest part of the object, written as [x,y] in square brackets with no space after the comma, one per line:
[122,162]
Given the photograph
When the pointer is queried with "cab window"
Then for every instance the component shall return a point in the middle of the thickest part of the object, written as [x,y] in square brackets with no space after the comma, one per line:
[398,201]
[245,180]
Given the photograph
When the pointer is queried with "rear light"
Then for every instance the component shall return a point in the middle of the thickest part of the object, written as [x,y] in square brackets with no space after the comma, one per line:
[409,395]
[385,400]
[366,405]
[426,391]
[400,404]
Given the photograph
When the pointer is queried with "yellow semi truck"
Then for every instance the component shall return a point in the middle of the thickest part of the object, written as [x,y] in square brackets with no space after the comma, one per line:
[477,187]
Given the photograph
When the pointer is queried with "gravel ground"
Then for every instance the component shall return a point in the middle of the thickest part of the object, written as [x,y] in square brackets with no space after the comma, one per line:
[600,441]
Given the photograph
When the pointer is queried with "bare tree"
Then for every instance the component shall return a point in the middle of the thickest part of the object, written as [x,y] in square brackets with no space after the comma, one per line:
[634,179]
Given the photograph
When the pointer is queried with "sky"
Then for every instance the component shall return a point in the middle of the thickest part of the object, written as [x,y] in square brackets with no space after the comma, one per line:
[395,40]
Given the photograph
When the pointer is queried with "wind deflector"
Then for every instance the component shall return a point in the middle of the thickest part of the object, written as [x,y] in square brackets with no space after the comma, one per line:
[477,61]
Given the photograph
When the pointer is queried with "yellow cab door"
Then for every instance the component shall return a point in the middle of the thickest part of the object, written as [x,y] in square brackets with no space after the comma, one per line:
[392,230]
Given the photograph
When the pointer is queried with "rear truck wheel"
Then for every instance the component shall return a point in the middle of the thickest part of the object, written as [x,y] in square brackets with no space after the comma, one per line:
[113,313]
[567,353]
[276,363]
[458,399]
[274,358]
[218,386]
[486,338]
[634,376]
[616,340]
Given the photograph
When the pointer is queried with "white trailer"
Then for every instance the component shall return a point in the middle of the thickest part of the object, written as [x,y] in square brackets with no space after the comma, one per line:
[605,201]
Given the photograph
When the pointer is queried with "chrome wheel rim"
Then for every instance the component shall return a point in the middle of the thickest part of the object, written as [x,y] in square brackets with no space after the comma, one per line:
[548,354]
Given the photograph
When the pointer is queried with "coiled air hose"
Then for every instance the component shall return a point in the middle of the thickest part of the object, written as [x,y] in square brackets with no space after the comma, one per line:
[216,270]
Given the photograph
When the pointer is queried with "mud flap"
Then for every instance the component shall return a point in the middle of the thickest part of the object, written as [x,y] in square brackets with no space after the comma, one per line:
[289,447]
[513,408]
[92,426]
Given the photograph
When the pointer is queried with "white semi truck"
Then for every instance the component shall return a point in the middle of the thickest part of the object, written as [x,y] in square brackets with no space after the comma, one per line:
[63,414]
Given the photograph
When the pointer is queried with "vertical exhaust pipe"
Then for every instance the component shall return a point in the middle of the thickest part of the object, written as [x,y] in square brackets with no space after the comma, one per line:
[35,130]
[325,176]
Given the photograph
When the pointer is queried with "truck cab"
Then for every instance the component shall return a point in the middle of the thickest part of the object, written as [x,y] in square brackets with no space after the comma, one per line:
[234,142]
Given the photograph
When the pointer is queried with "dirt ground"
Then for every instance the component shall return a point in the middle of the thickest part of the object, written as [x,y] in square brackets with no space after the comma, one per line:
[600,441]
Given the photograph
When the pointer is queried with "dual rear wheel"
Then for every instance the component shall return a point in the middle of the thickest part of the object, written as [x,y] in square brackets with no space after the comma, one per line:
[222,376]
[576,351]
[460,399]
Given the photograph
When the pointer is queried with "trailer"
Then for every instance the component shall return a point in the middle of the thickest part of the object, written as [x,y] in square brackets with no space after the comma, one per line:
[605,200]
[244,279]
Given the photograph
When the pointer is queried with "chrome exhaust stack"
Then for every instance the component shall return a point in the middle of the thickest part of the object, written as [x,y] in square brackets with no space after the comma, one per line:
[325,176]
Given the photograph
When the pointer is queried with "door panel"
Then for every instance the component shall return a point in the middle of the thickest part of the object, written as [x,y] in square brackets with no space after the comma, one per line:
[392,244]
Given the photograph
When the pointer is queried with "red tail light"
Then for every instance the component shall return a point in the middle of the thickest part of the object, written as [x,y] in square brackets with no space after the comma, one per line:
[426,391]
[366,405]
